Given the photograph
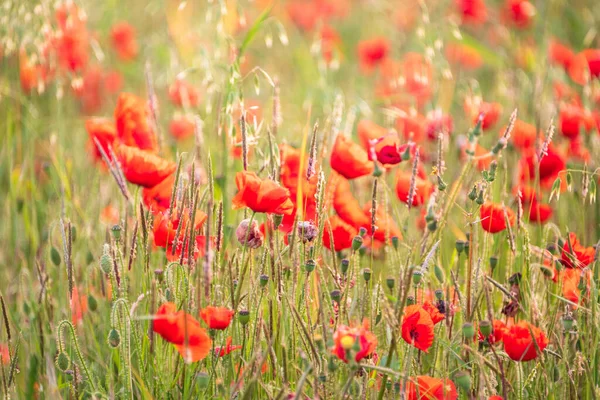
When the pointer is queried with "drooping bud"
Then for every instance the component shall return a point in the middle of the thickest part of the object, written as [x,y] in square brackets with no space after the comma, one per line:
[249,235]
[92,303]
[55,256]
[63,361]
[114,338]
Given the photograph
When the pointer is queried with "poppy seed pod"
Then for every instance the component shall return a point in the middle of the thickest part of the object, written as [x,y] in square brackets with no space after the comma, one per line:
[390,282]
[249,235]
[493,262]
[486,328]
[468,330]
[567,322]
[307,231]
[439,294]
[367,274]
[244,316]
[362,231]
[116,232]
[336,296]
[460,246]
[463,380]
[417,276]
[344,266]
[310,265]
[357,242]
[277,219]
[263,279]
[410,300]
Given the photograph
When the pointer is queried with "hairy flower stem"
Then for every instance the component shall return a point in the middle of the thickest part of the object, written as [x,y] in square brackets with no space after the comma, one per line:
[61,345]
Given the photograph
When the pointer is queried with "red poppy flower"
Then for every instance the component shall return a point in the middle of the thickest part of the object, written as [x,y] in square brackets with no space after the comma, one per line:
[217,317]
[304,14]
[123,39]
[574,254]
[142,167]
[428,388]
[384,142]
[181,93]
[418,77]
[492,217]
[72,40]
[417,327]
[103,130]
[572,119]
[79,306]
[491,112]
[132,117]
[552,165]
[113,82]
[523,135]
[349,159]
[412,127]
[565,93]
[498,329]
[182,127]
[519,13]
[386,227]
[228,348]
[29,73]
[584,65]
[539,212]
[5,354]
[342,233]
[261,195]
[560,54]
[372,52]
[182,330]
[472,11]
[165,227]
[345,338]
[434,313]
[158,198]
[438,122]
[463,56]
[330,43]
[423,188]
[571,279]
[346,206]
[483,157]
[290,173]
[519,344]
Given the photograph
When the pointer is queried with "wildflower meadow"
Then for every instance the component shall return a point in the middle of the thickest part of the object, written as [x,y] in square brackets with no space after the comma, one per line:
[300,199]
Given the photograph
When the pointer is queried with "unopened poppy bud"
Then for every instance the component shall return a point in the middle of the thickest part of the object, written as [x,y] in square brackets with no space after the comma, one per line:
[263,279]
[410,300]
[441,184]
[390,282]
[486,328]
[493,262]
[567,322]
[473,193]
[310,265]
[367,274]
[169,294]
[439,273]
[114,338]
[63,361]
[92,303]
[432,226]
[500,145]
[460,246]
[468,331]
[416,277]
[377,171]
[561,243]
[336,296]
[395,242]
[244,316]
[277,219]
[357,242]
[362,231]
[307,231]
[331,365]
[463,380]
[55,256]
[362,251]
[439,294]
[249,235]
[492,173]
[479,200]
[203,379]
[89,258]
[106,261]
[116,232]
[406,154]
[344,266]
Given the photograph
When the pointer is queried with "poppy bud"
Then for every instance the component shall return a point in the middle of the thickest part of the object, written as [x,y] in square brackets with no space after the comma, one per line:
[367,274]
[493,262]
[362,231]
[331,365]
[116,232]
[410,300]
[406,154]
[63,361]
[390,282]
[89,258]
[277,219]
[441,184]
[159,274]
[307,231]
[106,261]
[439,294]
[202,379]
[263,279]
[395,242]
[310,265]
[357,242]
[567,322]
[460,246]
[336,296]
[249,235]
[473,193]
[416,277]
[492,172]
[479,200]
[468,330]
[499,146]
[114,338]
[92,303]
[486,328]
[439,273]
[432,226]
[377,171]
[55,256]
[244,316]
[345,265]
[463,380]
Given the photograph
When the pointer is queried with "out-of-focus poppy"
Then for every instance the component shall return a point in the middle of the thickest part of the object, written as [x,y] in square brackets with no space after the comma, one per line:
[79,306]
[5,354]
[483,158]
[463,56]
[291,175]
[386,228]
[417,327]
[342,233]
[132,117]
[572,279]
[493,218]
[109,215]
[122,35]
[346,206]
[423,188]
[346,338]
[349,159]
[182,93]
[330,43]
[104,131]
[113,82]
[158,198]
[182,127]
[523,135]
[428,388]
[472,11]
[221,351]
[91,91]
[519,13]
[574,254]
[29,73]
[304,14]
[438,122]
[372,52]
[261,195]
[418,77]
[519,344]
[412,126]
[585,65]
[560,54]
[572,119]
[182,330]
[474,107]
[217,318]
[72,41]
[143,168]
[166,227]
[498,329]
[552,166]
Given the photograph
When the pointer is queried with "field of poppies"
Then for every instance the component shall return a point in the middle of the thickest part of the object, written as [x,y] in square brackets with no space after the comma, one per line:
[300,199]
